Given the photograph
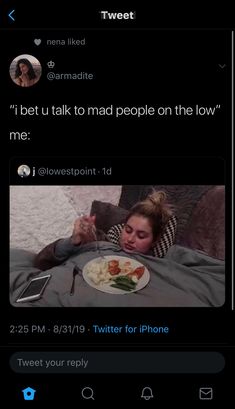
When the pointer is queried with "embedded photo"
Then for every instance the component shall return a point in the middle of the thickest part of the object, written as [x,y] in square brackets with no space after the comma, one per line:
[118,246]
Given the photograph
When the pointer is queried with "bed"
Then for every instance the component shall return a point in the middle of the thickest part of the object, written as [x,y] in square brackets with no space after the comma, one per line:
[192,273]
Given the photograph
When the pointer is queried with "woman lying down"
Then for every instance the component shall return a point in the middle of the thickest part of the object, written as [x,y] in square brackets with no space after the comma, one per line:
[137,257]
[141,232]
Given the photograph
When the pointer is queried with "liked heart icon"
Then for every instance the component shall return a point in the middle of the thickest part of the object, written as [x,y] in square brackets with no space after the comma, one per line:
[37,41]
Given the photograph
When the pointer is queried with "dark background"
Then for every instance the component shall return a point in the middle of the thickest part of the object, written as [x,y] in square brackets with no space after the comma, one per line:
[132,67]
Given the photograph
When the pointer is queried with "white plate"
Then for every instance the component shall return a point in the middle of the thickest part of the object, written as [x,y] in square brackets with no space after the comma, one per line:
[106,287]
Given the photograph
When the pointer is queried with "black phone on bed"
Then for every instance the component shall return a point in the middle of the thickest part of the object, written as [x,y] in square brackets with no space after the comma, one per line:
[34,289]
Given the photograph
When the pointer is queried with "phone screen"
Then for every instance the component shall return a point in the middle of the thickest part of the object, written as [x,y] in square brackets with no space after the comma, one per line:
[119,128]
[34,289]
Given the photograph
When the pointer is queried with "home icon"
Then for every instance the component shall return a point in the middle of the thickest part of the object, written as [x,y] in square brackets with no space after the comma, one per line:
[28,393]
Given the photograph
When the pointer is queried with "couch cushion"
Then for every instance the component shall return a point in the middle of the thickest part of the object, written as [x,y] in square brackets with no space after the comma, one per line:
[206,231]
[183,198]
[107,214]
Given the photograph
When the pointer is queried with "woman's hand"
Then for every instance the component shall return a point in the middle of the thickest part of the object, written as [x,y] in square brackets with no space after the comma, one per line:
[24,79]
[84,230]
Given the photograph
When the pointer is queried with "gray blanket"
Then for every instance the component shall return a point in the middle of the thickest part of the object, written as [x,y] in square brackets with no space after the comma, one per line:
[184,278]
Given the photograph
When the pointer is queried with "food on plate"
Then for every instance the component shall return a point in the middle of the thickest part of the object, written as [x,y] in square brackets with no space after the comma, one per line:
[117,273]
[124,283]
[127,267]
[138,272]
[98,272]
[113,267]
[128,282]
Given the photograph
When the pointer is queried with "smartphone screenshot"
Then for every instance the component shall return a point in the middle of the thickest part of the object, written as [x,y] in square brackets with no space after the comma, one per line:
[118,206]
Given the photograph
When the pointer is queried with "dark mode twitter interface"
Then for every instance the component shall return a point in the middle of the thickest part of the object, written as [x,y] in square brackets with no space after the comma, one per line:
[117,189]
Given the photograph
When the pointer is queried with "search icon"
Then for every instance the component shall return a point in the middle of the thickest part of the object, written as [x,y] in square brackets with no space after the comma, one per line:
[87,393]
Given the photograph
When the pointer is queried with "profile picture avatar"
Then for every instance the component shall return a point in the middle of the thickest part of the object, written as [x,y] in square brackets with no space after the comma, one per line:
[25,70]
[23,171]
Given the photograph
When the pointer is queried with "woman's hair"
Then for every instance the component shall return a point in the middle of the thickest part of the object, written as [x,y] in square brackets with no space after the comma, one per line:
[31,72]
[156,209]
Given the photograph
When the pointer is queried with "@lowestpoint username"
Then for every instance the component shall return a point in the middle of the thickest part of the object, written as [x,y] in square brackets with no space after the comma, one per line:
[45,171]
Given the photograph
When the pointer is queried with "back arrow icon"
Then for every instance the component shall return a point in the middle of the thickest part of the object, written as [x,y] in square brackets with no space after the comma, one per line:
[11,16]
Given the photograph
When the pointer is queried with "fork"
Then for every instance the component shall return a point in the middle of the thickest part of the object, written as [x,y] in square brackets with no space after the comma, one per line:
[76,271]
[97,244]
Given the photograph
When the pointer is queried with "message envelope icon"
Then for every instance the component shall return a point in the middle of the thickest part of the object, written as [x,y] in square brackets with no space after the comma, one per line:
[205,393]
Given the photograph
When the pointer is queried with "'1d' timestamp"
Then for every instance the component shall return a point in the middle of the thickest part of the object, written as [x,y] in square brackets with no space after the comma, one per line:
[57,329]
